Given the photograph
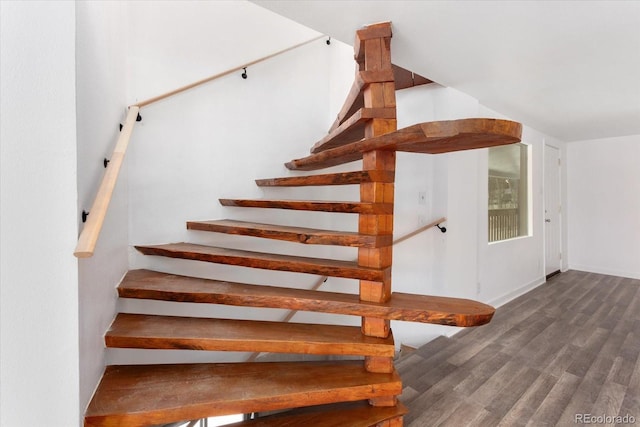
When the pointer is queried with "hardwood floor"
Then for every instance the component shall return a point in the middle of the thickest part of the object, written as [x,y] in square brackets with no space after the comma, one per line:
[567,348]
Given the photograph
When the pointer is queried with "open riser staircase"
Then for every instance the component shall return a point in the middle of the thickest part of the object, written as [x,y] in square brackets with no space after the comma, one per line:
[361,392]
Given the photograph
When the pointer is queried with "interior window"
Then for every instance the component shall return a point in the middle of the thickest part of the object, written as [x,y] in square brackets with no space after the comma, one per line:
[508,192]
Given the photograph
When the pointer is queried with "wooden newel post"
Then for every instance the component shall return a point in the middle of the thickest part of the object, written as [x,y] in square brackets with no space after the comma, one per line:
[373,55]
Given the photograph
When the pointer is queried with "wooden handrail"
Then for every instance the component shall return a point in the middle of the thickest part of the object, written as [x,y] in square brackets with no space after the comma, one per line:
[89,235]
[419,230]
[322,279]
[217,76]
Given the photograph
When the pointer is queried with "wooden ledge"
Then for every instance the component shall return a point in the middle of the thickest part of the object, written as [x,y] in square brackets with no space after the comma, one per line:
[429,137]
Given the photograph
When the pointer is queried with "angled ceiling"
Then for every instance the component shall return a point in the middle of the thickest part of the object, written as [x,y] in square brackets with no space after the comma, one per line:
[570,69]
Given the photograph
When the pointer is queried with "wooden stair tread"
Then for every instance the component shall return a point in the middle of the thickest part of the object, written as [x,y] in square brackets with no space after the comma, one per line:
[292,234]
[352,129]
[268,261]
[429,137]
[147,284]
[342,178]
[143,395]
[359,414]
[172,332]
[312,205]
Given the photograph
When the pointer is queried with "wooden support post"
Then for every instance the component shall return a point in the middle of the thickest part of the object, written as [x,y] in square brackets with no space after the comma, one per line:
[373,54]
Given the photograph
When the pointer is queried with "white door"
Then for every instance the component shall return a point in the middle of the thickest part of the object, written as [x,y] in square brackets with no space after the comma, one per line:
[552,210]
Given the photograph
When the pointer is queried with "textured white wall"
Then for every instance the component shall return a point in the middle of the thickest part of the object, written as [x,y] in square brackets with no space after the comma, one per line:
[38,273]
[604,205]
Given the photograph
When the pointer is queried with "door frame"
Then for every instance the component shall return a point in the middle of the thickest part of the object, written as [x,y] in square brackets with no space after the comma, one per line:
[546,182]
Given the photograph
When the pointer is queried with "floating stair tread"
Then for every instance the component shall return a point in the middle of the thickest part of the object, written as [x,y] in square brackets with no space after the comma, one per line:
[313,205]
[429,137]
[292,234]
[143,395]
[172,332]
[267,261]
[359,414]
[147,284]
[352,129]
[343,178]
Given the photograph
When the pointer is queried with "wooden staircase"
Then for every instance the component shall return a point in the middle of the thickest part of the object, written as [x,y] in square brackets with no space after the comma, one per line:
[327,393]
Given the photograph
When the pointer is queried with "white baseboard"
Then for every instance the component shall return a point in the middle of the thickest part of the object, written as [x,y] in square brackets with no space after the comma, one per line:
[606,271]
[501,300]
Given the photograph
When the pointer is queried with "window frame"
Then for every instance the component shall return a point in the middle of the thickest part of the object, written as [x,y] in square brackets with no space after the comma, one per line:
[525,211]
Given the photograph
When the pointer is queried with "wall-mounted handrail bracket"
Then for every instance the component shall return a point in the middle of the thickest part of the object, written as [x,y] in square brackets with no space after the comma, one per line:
[138,118]
[85,214]
[328,41]
[443,229]
[105,162]
[244,73]
[120,127]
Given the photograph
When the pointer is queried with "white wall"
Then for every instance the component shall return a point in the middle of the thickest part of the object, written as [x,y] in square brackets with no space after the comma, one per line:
[101,66]
[604,206]
[510,268]
[38,273]
[461,263]
[429,264]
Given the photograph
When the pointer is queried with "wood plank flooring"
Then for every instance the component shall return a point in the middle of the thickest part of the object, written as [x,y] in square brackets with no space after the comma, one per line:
[569,347]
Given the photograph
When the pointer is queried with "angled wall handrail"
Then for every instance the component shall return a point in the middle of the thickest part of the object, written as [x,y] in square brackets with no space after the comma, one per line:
[89,235]
[417,231]
[91,230]
[217,76]
[322,279]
